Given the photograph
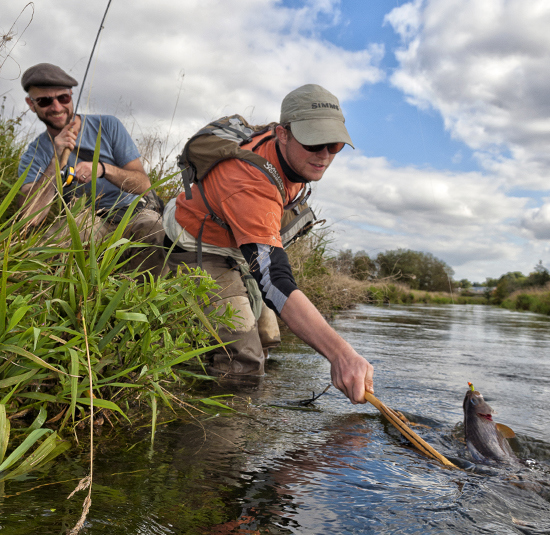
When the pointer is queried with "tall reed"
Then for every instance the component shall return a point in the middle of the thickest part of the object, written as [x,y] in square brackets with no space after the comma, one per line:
[78,335]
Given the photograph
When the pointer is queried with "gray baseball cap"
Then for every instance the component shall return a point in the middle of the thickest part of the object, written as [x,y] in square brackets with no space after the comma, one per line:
[46,75]
[315,116]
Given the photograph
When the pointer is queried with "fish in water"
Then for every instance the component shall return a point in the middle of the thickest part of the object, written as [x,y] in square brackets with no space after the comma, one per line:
[486,440]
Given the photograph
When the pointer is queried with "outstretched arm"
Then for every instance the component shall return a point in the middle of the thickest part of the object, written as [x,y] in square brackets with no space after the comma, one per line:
[350,372]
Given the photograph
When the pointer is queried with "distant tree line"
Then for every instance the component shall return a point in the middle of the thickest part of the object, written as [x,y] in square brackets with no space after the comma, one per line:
[423,271]
[420,271]
[515,280]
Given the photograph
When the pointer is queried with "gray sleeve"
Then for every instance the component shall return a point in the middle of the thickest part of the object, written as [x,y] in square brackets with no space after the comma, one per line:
[270,267]
[38,155]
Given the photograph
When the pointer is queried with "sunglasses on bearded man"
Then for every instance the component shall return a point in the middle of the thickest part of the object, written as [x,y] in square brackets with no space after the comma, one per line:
[44,102]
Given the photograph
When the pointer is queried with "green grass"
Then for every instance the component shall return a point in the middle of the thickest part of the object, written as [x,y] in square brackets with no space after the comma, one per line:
[79,335]
[531,299]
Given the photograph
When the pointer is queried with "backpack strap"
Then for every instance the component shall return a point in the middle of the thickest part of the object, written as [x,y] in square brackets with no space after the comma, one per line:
[263,165]
[218,141]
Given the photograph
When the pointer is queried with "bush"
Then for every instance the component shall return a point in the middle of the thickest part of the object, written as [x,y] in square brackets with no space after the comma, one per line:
[524,302]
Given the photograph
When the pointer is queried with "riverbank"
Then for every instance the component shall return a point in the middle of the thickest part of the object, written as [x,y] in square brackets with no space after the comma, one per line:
[82,336]
[530,299]
[332,291]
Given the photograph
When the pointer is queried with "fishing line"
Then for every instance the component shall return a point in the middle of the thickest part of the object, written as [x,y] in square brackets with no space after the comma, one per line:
[11,33]
[91,56]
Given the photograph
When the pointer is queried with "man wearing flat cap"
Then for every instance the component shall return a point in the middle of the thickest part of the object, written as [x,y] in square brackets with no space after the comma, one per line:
[120,174]
[240,217]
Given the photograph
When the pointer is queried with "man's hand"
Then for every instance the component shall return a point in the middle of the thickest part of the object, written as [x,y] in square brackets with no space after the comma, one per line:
[131,178]
[66,139]
[353,375]
[83,172]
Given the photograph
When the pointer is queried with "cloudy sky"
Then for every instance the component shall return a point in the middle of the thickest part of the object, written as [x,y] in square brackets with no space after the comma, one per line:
[447,102]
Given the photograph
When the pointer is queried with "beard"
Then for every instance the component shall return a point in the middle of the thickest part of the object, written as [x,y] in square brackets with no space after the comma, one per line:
[55,126]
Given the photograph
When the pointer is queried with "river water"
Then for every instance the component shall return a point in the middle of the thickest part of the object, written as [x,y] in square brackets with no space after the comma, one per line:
[335,468]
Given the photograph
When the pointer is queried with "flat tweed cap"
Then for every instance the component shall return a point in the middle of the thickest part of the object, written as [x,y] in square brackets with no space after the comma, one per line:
[315,116]
[46,74]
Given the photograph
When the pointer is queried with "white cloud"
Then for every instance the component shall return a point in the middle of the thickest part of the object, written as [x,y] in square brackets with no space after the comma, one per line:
[465,219]
[483,64]
[537,221]
[237,56]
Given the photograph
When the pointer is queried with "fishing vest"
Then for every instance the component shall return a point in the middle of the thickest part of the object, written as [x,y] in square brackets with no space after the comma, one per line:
[224,139]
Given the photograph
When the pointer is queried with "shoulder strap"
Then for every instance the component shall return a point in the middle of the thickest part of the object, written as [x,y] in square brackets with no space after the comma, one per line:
[221,140]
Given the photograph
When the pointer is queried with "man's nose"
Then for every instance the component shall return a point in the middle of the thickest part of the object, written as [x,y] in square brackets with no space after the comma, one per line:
[56,105]
[323,153]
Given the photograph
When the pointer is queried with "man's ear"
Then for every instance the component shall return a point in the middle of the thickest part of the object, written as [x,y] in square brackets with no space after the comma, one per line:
[282,134]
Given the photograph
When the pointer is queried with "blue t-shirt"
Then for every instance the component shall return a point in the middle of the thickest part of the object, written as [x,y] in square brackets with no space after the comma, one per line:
[117,148]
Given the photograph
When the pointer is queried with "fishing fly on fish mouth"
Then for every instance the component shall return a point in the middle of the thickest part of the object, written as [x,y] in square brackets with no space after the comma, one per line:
[485,439]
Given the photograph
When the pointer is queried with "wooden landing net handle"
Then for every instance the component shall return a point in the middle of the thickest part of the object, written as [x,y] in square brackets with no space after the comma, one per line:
[407,432]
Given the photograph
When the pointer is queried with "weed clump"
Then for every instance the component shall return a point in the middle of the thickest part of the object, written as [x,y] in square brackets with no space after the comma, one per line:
[79,336]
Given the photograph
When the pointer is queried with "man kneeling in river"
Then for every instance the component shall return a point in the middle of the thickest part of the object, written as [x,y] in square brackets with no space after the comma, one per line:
[300,148]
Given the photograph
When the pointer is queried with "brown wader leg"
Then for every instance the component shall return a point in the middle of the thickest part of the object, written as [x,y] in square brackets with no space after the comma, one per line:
[146,227]
[268,329]
[244,355]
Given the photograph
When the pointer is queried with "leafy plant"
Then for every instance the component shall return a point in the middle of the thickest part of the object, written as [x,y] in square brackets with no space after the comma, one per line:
[78,334]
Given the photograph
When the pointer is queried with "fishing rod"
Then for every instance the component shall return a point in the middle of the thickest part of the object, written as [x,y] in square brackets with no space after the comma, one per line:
[91,56]
[66,152]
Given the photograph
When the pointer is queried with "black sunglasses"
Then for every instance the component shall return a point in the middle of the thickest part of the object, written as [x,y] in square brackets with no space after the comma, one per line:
[333,148]
[44,102]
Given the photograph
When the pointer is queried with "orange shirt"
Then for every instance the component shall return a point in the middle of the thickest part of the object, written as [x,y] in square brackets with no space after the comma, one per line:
[243,197]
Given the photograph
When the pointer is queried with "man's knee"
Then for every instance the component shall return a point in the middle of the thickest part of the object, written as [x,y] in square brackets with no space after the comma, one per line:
[243,319]
[146,226]
[268,328]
